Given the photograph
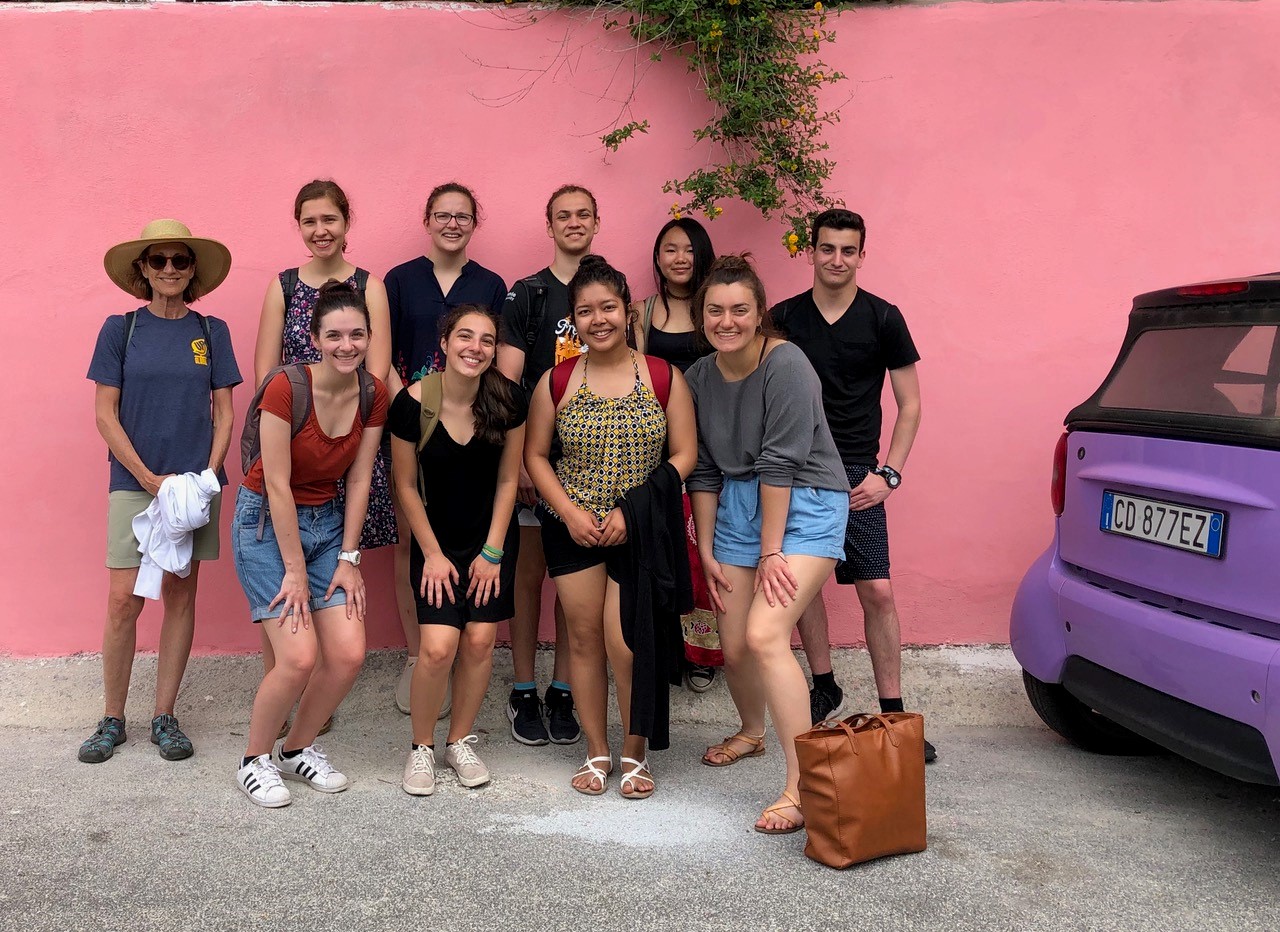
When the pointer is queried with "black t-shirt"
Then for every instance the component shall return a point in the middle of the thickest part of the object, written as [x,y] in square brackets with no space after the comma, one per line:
[557,337]
[460,478]
[851,357]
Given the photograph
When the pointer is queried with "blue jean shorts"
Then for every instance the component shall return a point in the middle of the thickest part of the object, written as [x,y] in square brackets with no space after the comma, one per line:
[260,565]
[815,523]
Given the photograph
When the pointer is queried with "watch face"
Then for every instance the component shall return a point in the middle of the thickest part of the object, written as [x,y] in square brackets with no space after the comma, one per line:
[894,481]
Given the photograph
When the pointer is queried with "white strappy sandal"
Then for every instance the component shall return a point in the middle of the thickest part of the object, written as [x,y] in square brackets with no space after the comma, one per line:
[634,774]
[601,775]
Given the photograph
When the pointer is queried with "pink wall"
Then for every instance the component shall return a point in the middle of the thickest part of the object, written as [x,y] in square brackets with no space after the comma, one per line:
[1025,168]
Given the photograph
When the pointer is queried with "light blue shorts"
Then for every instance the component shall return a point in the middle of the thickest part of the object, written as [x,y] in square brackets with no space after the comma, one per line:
[260,565]
[815,523]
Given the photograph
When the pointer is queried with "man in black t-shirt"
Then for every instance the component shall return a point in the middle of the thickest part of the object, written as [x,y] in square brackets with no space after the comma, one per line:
[537,333]
[853,338]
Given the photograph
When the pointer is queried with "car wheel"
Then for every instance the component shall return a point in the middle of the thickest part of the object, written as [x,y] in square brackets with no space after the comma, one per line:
[1079,724]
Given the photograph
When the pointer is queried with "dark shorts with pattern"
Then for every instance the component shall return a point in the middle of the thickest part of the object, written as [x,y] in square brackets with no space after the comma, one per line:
[866,539]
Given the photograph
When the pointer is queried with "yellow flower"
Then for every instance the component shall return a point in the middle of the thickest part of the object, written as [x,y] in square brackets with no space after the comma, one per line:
[714,212]
[793,249]
[817,34]
[784,122]
[734,2]
[817,6]
[818,75]
[792,239]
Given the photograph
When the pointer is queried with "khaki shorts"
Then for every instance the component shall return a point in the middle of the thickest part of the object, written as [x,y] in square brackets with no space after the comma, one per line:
[122,547]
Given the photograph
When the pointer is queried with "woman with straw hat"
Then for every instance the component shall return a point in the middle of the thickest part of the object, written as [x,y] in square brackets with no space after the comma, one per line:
[164,375]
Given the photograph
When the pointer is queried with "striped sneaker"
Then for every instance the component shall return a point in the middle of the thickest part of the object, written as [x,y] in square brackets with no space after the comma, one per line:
[311,766]
[260,781]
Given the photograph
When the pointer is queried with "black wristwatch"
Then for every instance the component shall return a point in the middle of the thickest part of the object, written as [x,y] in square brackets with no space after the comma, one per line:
[891,476]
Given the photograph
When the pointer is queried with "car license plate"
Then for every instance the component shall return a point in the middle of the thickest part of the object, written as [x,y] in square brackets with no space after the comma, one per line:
[1168,523]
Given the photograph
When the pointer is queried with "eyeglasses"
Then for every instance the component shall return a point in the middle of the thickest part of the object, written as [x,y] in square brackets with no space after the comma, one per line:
[462,220]
[180,262]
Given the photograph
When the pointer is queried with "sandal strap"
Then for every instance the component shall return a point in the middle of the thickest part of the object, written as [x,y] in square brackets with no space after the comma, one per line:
[732,754]
[634,774]
[589,766]
[790,803]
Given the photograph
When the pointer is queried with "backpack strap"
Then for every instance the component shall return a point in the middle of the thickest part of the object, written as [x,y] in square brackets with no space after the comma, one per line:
[559,382]
[660,375]
[300,386]
[536,292]
[362,280]
[647,317]
[288,285]
[432,399]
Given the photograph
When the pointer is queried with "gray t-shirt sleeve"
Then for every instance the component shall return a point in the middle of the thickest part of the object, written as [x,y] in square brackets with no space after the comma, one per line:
[792,411]
[706,476]
[226,373]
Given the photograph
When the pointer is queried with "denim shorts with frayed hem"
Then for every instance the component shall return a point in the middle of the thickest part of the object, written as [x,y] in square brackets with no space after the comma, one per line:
[815,523]
[260,565]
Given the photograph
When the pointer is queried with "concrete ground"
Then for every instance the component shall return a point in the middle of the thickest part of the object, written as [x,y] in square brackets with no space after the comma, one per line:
[1025,832]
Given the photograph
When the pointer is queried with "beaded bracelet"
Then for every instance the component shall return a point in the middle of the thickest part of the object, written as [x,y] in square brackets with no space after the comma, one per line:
[491,554]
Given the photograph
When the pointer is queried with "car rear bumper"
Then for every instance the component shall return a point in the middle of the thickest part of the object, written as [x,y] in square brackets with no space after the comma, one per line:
[1204,690]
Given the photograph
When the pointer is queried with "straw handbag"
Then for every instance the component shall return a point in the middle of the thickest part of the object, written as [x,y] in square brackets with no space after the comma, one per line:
[862,787]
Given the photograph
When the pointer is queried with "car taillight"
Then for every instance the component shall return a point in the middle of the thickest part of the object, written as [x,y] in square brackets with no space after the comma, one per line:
[1210,289]
[1058,487]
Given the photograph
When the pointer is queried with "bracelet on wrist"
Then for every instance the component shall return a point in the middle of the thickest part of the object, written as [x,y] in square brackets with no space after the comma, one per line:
[773,553]
[491,554]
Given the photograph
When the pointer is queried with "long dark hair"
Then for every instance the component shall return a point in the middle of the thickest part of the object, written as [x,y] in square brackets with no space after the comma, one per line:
[495,406]
[596,270]
[703,255]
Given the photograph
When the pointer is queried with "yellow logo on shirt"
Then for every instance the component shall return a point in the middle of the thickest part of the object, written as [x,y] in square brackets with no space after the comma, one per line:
[200,352]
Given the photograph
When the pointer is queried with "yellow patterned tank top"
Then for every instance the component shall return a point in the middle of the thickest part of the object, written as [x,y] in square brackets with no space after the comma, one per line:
[608,445]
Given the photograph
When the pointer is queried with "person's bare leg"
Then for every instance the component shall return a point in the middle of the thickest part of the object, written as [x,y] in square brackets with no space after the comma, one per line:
[884,635]
[295,654]
[815,636]
[176,634]
[406,607]
[531,570]
[583,595]
[740,671]
[119,639]
[341,643]
[563,648]
[769,640]
[438,646]
[621,661]
[268,652]
[471,678]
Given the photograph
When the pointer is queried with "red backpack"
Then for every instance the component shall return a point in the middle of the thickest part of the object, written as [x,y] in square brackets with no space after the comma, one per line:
[659,374]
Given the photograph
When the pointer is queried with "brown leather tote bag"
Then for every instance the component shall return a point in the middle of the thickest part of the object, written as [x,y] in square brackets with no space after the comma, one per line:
[862,787]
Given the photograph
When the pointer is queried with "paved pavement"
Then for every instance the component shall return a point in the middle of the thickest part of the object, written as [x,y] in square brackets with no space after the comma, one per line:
[1024,833]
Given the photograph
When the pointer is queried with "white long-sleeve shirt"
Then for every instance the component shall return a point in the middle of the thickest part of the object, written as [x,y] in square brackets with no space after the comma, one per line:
[165,530]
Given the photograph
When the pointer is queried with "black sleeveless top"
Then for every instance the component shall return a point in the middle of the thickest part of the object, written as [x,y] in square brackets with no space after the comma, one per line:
[682,350]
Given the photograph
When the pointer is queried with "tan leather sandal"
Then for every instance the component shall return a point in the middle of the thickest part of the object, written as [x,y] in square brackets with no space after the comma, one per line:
[789,802]
[730,755]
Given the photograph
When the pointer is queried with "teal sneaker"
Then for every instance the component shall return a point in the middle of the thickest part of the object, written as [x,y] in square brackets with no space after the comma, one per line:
[166,735]
[99,746]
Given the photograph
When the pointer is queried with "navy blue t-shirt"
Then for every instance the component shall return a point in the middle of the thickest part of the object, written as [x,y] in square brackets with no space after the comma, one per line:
[417,305]
[166,383]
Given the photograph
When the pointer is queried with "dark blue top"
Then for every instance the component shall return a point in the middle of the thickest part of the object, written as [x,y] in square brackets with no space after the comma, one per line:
[417,304]
[166,383]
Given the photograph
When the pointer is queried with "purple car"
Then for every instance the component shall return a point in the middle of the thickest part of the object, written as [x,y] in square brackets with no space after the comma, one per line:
[1154,617]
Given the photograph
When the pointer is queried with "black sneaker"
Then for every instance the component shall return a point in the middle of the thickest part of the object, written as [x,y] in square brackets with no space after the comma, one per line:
[561,721]
[930,753]
[824,705]
[100,745]
[167,736]
[524,711]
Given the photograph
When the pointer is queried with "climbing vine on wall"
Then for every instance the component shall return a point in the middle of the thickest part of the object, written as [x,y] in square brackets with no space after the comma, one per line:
[760,63]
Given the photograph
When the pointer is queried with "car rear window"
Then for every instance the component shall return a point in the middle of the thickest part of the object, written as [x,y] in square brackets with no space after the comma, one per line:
[1225,371]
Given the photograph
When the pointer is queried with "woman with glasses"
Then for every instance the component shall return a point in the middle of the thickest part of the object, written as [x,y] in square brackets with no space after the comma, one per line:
[323,215]
[421,292]
[164,375]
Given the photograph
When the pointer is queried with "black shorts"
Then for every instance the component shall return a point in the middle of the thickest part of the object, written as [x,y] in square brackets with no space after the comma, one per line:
[565,556]
[459,613]
[866,539]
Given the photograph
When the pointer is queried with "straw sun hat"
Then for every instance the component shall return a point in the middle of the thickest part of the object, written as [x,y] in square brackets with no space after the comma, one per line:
[213,260]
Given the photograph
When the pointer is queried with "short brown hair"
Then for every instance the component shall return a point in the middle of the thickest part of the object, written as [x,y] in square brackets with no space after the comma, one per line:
[733,270]
[452,187]
[571,189]
[142,288]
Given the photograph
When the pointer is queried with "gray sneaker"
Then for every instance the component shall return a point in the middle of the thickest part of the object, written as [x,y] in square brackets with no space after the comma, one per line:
[462,758]
[420,772]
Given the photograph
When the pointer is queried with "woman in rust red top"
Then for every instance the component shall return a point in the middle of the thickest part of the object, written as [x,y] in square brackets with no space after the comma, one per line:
[296,553]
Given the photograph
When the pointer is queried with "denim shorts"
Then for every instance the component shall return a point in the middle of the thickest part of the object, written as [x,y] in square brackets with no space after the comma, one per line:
[815,523]
[260,565]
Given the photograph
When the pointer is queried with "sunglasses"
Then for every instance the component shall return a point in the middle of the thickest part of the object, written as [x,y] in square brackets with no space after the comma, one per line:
[180,262]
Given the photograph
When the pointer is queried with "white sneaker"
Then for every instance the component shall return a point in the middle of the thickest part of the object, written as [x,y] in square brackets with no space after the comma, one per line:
[420,772]
[462,758]
[404,683]
[260,781]
[313,767]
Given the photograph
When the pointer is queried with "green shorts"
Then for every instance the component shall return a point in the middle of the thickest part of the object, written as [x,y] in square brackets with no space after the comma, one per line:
[122,547]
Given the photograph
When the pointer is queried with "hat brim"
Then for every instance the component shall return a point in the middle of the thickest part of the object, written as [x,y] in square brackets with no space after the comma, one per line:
[213,262]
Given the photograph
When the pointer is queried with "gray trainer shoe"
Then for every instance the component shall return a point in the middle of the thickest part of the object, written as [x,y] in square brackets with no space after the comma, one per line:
[461,756]
[420,772]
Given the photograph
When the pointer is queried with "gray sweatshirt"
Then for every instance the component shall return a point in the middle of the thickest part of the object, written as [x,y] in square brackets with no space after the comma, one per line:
[770,425]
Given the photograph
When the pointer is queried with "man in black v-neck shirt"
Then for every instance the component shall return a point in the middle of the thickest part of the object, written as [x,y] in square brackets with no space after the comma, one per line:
[854,338]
